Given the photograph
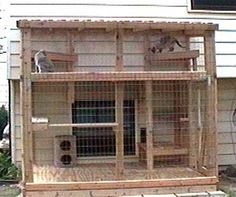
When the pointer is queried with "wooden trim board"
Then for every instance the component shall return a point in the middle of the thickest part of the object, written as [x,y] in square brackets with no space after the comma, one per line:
[143,25]
[117,76]
[101,185]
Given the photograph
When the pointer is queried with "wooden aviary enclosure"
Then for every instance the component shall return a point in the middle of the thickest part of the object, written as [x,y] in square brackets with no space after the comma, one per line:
[130,108]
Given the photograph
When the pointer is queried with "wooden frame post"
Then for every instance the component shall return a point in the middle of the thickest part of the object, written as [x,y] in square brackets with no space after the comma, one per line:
[211,103]
[119,100]
[26,108]
[149,125]
[192,160]
[119,49]
[192,130]
[71,85]
[147,66]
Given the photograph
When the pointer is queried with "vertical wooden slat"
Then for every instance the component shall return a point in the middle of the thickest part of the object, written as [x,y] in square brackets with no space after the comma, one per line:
[149,125]
[26,108]
[119,50]
[146,46]
[71,85]
[192,130]
[177,111]
[70,68]
[211,102]
[149,112]
[119,99]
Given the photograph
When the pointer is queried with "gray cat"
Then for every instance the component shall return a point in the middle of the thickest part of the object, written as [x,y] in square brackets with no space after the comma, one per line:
[42,63]
[165,42]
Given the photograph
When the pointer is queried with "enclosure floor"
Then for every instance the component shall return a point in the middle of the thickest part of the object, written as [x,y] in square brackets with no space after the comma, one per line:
[106,172]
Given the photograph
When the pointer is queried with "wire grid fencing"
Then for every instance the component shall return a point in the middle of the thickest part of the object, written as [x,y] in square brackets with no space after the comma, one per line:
[79,138]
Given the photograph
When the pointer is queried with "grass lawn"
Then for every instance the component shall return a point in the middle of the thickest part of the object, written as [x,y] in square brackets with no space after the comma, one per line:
[9,191]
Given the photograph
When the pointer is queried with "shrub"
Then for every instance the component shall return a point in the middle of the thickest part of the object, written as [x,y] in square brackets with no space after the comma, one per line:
[8,171]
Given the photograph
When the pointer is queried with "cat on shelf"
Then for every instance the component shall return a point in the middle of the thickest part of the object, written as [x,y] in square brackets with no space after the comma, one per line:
[43,63]
[166,42]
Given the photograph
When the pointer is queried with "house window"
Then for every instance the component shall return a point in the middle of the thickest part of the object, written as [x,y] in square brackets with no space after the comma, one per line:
[216,5]
[101,141]
[234,117]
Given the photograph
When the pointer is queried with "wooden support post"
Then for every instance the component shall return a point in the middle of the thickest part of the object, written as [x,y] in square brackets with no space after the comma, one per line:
[211,103]
[119,98]
[70,68]
[26,108]
[147,66]
[71,85]
[149,125]
[177,109]
[119,50]
[192,130]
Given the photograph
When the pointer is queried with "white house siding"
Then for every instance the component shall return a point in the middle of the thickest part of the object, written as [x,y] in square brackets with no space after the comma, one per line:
[226,128]
[50,100]
[3,55]
[156,10]
[15,122]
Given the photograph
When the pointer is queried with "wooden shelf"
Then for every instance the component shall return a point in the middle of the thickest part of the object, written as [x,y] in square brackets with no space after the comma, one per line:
[165,150]
[175,56]
[44,125]
[117,76]
[54,56]
[85,125]
[39,123]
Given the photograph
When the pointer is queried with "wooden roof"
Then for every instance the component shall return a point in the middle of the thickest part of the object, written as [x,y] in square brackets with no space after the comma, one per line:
[142,25]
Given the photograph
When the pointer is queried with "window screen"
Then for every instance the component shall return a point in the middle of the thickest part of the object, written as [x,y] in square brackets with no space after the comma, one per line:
[218,5]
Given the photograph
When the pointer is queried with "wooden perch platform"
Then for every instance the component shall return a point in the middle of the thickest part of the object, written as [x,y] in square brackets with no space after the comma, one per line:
[85,125]
[171,56]
[44,125]
[117,76]
[166,150]
[39,124]
[55,56]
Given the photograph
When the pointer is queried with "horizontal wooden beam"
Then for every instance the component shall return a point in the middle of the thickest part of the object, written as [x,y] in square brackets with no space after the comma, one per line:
[181,55]
[101,185]
[145,25]
[55,56]
[85,125]
[117,76]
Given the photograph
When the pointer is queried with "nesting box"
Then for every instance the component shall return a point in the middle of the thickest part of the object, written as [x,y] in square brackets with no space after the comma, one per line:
[65,151]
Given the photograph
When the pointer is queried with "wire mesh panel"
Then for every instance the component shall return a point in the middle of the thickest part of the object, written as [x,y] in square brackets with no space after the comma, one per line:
[179,134]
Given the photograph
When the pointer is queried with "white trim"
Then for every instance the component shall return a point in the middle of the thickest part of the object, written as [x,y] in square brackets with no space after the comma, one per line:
[13,132]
